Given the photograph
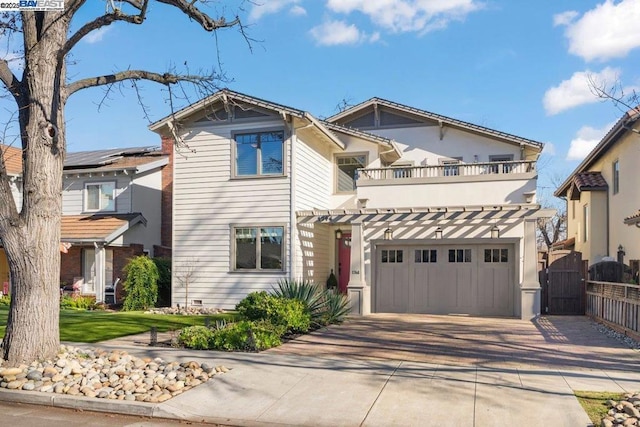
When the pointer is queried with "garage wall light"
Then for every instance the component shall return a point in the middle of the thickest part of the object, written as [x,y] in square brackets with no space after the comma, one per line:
[338,234]
[388,233]
[495,232]
[439,232]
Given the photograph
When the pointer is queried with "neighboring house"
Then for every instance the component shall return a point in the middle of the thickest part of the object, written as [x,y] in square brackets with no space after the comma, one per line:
[603,195]
[111,201]
[13,164]
[413,211]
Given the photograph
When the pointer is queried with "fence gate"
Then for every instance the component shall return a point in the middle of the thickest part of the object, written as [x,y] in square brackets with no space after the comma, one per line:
[563,283]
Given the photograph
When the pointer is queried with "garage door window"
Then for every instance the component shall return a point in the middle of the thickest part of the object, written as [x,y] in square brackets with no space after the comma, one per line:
[426,255]
[459,255]
[392,256]
[496,255]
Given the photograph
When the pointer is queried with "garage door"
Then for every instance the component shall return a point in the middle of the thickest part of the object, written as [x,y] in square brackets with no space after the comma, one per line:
[474,279]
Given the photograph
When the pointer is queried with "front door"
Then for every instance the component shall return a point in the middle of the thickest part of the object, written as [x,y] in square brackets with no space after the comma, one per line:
[344,261]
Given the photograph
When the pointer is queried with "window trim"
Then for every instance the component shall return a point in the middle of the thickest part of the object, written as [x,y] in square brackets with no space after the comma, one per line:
[336,169]
[615,166]
[234,151]
[232,248]
[85,198]
[585,221]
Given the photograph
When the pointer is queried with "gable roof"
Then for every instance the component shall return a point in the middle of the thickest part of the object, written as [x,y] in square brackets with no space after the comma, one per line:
[12,159]
[395,150]
[225,94]
[103,228]
[138,159]
[633,219]
[623,125]
[586,181]
[443,120]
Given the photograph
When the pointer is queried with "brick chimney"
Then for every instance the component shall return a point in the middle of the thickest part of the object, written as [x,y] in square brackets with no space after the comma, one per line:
[167,192]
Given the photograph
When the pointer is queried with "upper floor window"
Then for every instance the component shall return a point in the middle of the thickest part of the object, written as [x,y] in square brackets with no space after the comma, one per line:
[347,172]
[616,177]
[450,166]
[259,154]
[505,159]
[585,223]
[99,196]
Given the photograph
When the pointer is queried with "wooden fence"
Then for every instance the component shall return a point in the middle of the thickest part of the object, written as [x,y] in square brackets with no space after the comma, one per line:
[617,305]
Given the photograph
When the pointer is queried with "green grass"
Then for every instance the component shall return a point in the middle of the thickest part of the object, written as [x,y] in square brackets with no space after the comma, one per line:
[95,326]
[595,405]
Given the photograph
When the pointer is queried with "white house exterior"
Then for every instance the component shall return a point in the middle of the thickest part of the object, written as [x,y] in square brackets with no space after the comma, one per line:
[414,212]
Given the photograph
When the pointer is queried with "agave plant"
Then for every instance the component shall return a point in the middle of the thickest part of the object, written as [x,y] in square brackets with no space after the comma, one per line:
[309,293]
[336,307]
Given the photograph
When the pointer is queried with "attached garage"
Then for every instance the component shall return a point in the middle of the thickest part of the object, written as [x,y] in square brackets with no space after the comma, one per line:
[476,279]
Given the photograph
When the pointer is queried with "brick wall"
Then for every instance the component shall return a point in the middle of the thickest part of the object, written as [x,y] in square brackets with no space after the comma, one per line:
[167,193]
[161,251]
[71,265]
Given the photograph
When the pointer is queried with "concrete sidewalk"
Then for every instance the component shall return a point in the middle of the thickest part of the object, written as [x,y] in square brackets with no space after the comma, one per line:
[331,389]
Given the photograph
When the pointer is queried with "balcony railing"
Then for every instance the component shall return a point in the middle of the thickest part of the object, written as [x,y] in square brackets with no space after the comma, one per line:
[460,169]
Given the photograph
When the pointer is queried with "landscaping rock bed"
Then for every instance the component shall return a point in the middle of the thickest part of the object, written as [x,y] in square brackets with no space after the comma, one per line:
[191,311]
[625,412]
[108,375]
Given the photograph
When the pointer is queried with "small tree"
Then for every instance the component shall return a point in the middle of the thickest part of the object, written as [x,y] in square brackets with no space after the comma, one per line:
[185,275]
[141,284]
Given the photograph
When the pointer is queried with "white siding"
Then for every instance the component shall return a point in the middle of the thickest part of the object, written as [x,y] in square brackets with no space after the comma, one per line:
[73,193]
[16,191]
[146,193]
[313,171]
[206,202]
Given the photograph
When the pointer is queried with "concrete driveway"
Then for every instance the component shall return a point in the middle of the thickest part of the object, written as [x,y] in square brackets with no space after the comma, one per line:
[550,342]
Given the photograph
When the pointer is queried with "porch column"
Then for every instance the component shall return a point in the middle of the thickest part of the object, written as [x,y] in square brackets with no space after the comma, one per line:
[530,286]
[357,290]
[100,273]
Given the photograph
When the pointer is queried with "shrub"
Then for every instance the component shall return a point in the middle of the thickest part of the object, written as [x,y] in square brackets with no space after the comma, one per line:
[141,284]
[5,300]
[78,302]
[196,337]
[247,335]
[304,291]
[164,281]
[290,313]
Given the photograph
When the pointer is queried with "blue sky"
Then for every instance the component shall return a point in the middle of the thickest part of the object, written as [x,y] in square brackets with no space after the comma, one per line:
[515,66]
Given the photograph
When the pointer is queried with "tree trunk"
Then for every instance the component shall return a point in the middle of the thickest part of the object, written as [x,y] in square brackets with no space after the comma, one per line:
[31,239]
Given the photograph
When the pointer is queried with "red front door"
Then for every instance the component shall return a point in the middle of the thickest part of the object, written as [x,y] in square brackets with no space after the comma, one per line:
[344,261]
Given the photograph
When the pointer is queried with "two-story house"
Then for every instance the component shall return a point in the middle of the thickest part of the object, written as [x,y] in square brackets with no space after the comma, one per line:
[414,212]
[603,195]
[111,212]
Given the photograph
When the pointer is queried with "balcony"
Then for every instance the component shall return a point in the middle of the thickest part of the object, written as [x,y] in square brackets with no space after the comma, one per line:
[486,171]
[462,184]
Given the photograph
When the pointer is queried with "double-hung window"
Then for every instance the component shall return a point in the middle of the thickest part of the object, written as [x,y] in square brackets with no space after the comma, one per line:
[258,248]
[259,154]
[99,196]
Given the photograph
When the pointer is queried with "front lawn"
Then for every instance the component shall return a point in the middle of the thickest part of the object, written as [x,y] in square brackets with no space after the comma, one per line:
[595,403]
[95,326]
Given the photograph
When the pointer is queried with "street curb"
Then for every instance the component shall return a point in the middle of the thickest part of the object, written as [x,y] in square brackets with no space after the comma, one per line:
[79,402]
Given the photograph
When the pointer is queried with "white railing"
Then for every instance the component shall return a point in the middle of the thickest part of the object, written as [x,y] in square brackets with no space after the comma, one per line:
[461,169]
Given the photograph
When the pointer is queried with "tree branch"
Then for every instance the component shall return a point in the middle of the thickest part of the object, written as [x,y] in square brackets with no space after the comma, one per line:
[11,82]
[208,23]
[165,79]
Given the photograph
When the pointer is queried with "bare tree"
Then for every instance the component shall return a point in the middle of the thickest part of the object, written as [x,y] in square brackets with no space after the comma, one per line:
[552,230]
[186,275]
[624,100]
[31,236]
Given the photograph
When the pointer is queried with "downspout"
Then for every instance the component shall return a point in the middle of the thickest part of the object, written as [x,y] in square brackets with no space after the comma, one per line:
[608,224]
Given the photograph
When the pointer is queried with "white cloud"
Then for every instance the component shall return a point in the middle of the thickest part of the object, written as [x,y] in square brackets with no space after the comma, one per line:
[333,33]
[96,35]
[576,91]
[268,7]
[610,30]
[586,139]
[564,18]
[408,15]
[298,10]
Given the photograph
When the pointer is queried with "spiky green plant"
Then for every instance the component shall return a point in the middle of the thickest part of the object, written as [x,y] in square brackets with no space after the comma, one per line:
[305,291]
[336,307]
